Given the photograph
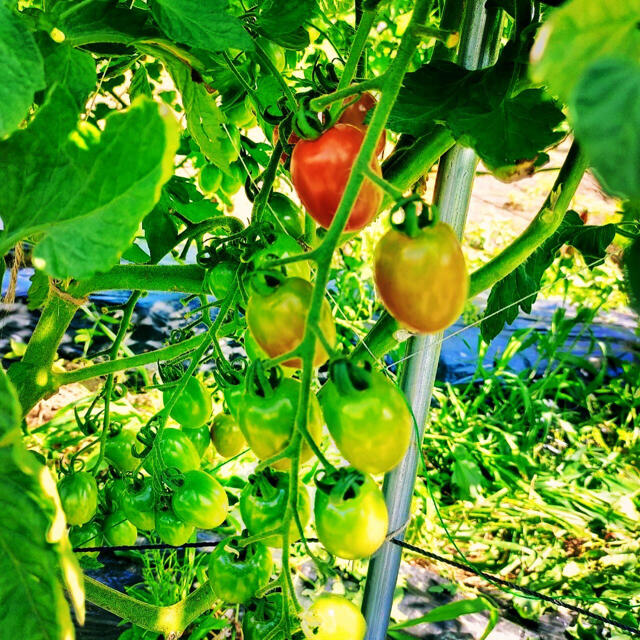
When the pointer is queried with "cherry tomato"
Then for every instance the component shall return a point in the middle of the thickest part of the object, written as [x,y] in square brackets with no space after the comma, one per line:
[193,406]
[88,535]
[292,140]
[422,281]
[114,491]
[230,145]
[226,436]
[200,501]
[236,572]
[118,531]
[253,349]
[138,504]
[356,113]
[241,114]
[79,497]
[172,449]
[199,438]
[333,617]
[263,502]
[232,394]
[209,179]
[367,416]
[261,616]
[284,246]
[267,421]
[277,320]
[232,182]
[220,279]
[320,170]
[285,214]
[170,529]
[350,513]
[119,453]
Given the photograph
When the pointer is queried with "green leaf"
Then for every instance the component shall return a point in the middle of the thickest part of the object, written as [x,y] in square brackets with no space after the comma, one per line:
[504,130]
[84,190]
[98,21]
[282,17]
[519,289]
[518,129]
[467,477]
[160,230]
[21,71]
[579,33]
[453,610]
[632,273]
[605,109]
[35,555]
[38,290]
[140,84]
[204,117]
[64,65]
[204,24]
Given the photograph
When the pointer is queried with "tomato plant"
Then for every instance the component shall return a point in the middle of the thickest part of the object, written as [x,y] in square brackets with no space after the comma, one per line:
[229,158]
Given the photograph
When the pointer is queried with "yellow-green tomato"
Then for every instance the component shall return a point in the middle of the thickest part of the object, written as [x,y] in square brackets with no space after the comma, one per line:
[332,617]
[226,436]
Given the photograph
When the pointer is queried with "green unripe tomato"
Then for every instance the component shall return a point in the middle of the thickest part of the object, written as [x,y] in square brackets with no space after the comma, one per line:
[226,436]
[333,617]
[88,535]
[173,449]
[209,179]
[287,216]
[193,406]
[237,573]
[232,182]
[170,529]
[199,438]
[118,531]
[79,497]
[119,450]
[138,505]
[200,501]
[220,279]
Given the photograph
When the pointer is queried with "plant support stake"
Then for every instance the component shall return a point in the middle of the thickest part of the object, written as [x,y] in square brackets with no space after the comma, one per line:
[479,35]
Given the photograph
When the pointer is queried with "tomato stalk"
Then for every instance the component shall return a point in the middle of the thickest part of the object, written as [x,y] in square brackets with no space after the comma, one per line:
[108,387]
[321,102]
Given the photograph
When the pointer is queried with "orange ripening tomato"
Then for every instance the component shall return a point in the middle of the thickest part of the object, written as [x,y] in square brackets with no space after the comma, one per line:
[356,113]
[320,170]
[422,281]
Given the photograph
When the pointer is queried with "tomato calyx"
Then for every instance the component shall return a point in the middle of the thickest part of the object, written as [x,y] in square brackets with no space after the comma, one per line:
[350,377]
[344,482]
[260,382]
[417,215]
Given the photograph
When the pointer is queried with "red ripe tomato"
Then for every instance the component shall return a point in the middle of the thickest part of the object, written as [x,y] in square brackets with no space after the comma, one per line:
[423,281]
[293,139]
[320,170]
[356,113]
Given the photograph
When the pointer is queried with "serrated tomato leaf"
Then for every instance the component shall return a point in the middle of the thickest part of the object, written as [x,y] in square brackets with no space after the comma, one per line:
[632,273]
[503,130]
[578,34]
[84,191]
[35,555]
[605,110]
[21,71]
[203,24]
[520,288]
[282,17]
[204,117]
[64,65]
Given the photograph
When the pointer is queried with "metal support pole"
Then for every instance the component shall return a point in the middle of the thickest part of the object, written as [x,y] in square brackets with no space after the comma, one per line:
[480,33]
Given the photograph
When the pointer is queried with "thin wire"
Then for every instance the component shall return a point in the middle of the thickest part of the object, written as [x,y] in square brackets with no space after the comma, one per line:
[412,548]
